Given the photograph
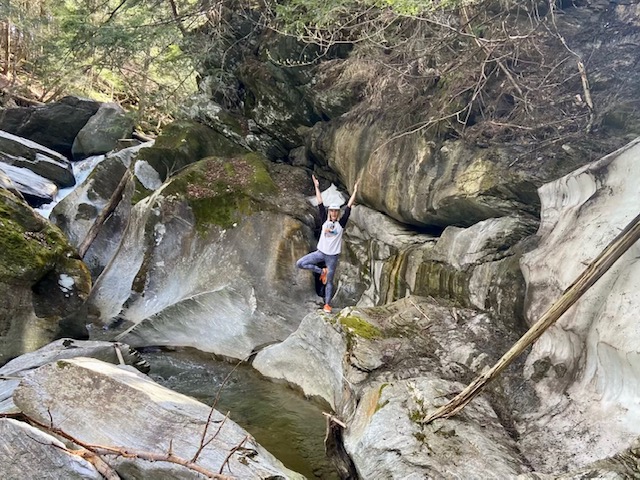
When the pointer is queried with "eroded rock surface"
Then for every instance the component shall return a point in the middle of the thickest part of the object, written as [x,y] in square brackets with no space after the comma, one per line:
[586,365]
[103,404]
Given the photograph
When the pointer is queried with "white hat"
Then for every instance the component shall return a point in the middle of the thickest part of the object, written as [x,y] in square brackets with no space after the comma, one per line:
[334,206]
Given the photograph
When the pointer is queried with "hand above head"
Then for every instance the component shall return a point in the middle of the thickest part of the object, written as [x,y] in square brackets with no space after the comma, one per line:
[316,184]
[352,200]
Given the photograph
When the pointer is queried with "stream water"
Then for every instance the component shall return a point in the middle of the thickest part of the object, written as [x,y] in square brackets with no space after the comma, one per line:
[291,427]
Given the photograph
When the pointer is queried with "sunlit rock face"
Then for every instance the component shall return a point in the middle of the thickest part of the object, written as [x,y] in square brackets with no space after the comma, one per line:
[41,455]
[587,364]
[103,404]
[425,184]
[208,261]
[64,348]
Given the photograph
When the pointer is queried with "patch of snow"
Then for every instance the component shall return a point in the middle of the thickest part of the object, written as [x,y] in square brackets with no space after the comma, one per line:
[66,283]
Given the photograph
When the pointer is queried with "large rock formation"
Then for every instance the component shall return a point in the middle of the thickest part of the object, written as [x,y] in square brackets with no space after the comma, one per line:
[384,369]
[104,405]
[102,131]
[54,125]
[187,270]
[41,279]
[586,364]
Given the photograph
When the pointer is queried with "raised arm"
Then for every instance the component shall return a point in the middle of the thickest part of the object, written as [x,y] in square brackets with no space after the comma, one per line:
[352,199]
[316,184]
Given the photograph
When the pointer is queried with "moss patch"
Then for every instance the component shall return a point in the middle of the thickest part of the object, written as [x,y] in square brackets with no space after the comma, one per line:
[220,191]
[29,245]
[357,326]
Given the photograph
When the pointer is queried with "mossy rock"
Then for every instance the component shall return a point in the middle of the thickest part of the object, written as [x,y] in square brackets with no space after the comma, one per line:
[183,143]
[29,245]
[221,191]
[358,326]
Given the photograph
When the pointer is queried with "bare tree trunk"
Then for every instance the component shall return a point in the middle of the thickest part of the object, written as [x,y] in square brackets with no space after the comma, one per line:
[7,47]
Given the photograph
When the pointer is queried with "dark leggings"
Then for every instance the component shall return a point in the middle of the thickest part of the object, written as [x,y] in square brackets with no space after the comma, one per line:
[310,262]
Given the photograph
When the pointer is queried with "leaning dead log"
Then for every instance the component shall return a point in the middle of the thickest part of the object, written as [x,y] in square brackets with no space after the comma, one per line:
[571,295]
[108,210]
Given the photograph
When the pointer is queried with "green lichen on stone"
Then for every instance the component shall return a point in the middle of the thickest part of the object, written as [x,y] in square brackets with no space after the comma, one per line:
[139,191]
[29,245]
[381,405]
[221,191]
[360,327]
[183,143]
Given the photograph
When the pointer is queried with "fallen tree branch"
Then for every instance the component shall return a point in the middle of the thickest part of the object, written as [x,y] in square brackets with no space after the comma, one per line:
[571,295]
[203,438]
[100,450]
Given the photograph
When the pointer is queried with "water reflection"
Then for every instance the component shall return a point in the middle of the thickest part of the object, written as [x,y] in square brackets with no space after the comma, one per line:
[291,427]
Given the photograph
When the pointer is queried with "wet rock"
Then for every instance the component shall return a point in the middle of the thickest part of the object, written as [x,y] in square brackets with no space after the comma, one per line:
[32,187]
[24,153]
[77,212]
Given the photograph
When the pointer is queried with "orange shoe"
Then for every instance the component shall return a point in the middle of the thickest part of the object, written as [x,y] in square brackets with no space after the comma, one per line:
[327,308]
[323,275]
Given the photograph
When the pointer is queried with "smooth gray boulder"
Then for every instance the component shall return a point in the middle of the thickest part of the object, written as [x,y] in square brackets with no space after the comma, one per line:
[13,371]
[187,271]
[26,452]
[102,131]
[310,358]
[102,404]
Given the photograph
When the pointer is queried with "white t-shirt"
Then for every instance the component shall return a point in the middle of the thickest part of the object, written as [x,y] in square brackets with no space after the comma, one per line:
[330,242]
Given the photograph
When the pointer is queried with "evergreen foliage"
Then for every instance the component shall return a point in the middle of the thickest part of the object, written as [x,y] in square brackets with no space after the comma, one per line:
[130,51]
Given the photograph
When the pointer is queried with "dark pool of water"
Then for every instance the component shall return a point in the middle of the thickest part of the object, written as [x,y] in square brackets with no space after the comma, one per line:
[291,427]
